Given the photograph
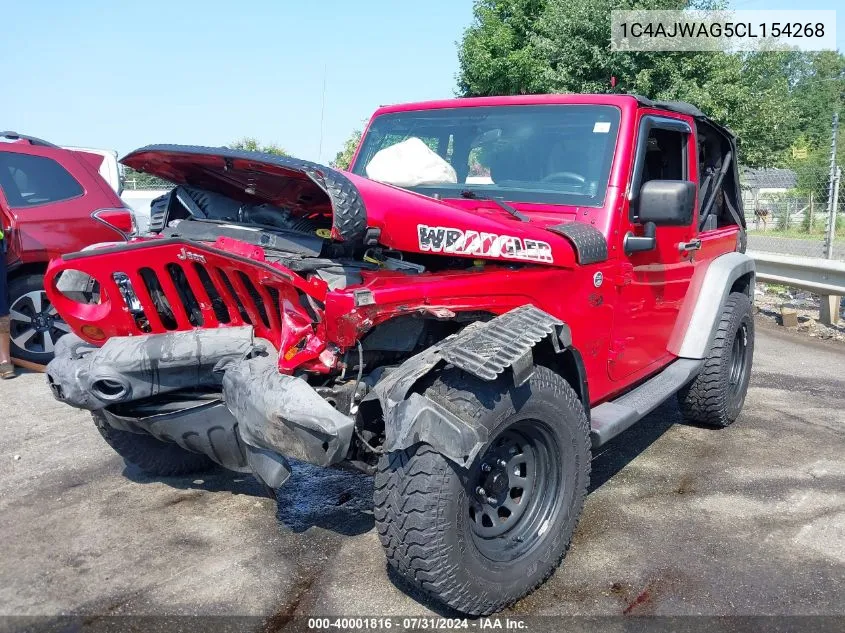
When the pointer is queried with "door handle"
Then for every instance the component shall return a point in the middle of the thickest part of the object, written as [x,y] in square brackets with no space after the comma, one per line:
[692,245]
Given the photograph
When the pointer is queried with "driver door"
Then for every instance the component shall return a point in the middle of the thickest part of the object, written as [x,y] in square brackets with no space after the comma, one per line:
[654,283]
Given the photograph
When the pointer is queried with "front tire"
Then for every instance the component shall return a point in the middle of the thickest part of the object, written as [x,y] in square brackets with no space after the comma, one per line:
[716,396]
[478,540]
[154,457]
[34,324]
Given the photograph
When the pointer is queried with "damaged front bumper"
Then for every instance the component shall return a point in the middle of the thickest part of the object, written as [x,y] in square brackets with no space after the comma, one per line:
[283,413]
[216,392]
[131,368]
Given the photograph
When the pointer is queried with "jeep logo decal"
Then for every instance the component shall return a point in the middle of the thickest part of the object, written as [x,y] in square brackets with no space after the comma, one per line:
[440,239]
[186,255]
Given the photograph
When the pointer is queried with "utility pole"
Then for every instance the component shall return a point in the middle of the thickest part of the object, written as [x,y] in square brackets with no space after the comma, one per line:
[831,224]
[829,305]
[831,191]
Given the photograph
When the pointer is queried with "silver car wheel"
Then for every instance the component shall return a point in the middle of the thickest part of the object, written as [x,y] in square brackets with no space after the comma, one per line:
[35,326]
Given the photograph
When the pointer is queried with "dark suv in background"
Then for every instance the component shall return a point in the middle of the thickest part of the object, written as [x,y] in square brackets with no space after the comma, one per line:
[52,201]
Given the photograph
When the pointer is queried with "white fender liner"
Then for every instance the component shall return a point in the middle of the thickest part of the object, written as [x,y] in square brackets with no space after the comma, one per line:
[699,316]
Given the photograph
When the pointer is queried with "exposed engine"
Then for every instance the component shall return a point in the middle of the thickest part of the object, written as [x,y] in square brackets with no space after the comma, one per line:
[303,245]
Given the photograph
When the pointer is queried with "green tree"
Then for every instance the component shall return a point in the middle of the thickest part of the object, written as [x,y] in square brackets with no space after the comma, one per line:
[537,46]
[750,93]
[343,159]
[251,144]
[819,92]
[496,55]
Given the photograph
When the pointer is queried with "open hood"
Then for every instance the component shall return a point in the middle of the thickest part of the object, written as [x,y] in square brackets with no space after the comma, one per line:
[401,219]
[303,187]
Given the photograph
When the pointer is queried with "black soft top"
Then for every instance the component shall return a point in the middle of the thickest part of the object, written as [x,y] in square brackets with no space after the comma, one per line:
[683,107]
[730,178]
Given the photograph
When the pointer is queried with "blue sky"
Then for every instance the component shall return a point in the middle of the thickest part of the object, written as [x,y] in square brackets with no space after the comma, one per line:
[120,75]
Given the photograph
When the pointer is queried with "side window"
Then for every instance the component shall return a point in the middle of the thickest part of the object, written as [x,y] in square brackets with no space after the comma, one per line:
[28,181]
[666,155]
[719,205]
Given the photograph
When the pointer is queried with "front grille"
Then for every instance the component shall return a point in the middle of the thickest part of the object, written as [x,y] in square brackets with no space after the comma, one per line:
[177,305]
[166,285]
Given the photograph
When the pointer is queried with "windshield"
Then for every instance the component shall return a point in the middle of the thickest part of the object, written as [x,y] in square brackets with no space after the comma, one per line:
[557,154]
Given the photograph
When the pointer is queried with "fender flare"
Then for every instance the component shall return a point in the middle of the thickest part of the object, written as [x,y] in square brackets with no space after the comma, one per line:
[483,349]
[698,320]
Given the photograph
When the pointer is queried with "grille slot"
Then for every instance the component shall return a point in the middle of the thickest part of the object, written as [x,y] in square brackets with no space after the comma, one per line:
[234,295]
[253,294]
[186,296]
[305,302]
[218,304]
[159,299]
[275,304]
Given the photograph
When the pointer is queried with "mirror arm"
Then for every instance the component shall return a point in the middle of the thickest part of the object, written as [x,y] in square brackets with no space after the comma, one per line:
[639,243]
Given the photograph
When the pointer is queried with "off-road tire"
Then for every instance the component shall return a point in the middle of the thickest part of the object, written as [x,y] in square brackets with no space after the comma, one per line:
[422,499]
[154,457]
[711,399]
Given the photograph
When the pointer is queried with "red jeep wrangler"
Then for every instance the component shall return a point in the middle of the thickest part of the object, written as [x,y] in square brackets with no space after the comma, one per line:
[52,201]
[496,288]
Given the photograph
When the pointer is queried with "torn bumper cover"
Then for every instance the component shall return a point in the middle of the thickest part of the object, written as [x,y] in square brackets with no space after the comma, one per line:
[284,414]
[266,416]
[130,368]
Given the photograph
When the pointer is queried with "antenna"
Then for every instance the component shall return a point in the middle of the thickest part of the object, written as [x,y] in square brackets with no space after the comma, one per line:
[322,114]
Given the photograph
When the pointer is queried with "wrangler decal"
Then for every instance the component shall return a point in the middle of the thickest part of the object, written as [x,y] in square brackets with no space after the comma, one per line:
[441,239]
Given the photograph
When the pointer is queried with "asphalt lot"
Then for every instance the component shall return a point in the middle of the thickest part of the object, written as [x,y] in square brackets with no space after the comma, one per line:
[682,520]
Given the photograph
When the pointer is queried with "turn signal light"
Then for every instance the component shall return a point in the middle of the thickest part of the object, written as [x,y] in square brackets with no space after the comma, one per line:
[293,350]
[93,332]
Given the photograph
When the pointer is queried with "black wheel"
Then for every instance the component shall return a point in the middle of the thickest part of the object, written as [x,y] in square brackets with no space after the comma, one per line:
[151,455]
[34,324]
[477,540]
[717,394]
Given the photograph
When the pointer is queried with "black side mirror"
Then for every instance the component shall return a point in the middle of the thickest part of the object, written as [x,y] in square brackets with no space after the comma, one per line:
[666,202]
[661,203]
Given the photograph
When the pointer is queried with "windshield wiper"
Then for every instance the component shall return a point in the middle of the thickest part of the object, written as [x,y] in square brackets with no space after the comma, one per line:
[472,195]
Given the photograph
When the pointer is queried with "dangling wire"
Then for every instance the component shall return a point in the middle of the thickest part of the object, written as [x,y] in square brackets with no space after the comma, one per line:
[358,379]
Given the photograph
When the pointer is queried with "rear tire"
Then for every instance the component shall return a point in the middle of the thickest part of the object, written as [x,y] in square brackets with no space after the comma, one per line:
[480,551]
[154,457]
[717,394]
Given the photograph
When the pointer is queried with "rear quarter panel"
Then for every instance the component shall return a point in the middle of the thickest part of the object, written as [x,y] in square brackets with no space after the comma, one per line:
[713,245]
[41,232]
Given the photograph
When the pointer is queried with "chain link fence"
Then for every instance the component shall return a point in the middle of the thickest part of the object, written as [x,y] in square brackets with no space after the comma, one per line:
[798,211]
[783,219]
[145,183]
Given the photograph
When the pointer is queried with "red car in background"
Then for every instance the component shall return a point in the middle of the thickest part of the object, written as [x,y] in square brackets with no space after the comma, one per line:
[52,201]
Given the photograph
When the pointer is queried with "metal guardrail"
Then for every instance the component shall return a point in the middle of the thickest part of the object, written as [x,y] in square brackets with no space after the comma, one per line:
[819,276]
